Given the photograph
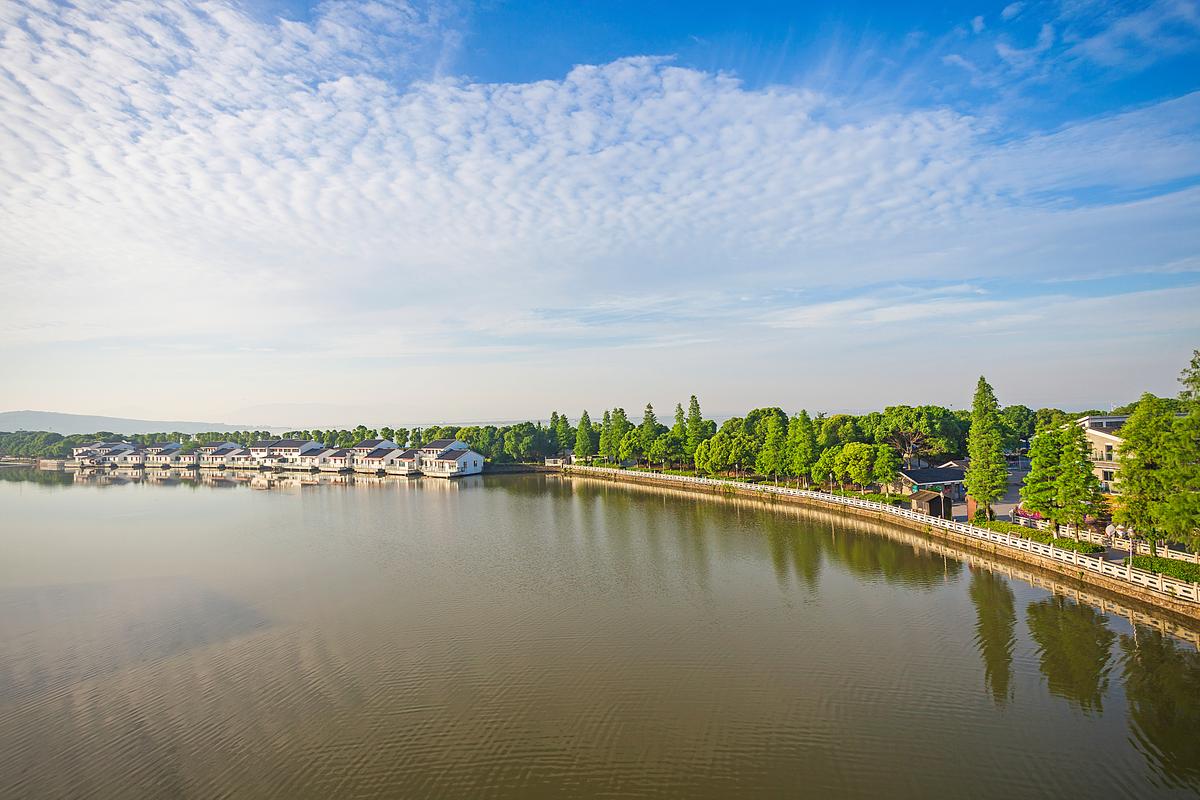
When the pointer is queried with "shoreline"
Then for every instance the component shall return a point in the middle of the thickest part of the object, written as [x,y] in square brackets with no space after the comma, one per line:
[1185,609]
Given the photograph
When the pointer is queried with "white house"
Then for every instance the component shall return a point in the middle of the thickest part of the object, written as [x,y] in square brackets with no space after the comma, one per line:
[242,458]
[209,447]
[407,462]
[453,463]
[370,445]
[219,457]
[338,461]
[314,459]
[377,460]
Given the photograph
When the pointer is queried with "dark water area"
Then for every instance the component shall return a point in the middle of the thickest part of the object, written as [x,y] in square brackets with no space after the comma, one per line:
[537,636]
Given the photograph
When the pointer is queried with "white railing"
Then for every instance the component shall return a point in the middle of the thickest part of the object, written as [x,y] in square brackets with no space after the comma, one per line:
[1118,542]
[1125,572]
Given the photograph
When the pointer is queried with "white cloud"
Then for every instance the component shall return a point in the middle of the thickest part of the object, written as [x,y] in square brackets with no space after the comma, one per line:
[316,191]
[977,24]
[1011,11]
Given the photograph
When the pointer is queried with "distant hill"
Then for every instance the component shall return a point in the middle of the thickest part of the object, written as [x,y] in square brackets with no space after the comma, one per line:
[66,424]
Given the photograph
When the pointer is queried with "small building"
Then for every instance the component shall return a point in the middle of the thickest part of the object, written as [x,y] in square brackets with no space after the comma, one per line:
[1105,442]
[943,480]
[369,445]
[338,461]
[210,447]
[407,462]
[218,458]
[377,460]
[454,463]
[933,504]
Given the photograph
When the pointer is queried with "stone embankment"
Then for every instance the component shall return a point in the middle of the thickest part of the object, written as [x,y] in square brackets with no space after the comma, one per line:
[1163,592]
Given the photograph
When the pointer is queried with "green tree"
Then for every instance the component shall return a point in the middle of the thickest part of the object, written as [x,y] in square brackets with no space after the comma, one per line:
[583,437]
[987,476]
[856,461]
[1077,487]
[697,427]
[1145,440]
[1039,492]
[772,456]
[563,434]
[606,443]
[631,446]
[680,426]
[886,467]
[620,427]
[801,445]
[649,429]
[660,449]
[1179,514]
[918,432]
[825,465]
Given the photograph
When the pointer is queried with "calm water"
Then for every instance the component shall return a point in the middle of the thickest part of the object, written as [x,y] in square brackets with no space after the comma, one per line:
[526,636]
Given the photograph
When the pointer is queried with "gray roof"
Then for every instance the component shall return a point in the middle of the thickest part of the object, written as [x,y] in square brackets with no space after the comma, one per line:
[291,443]
[409,455]
[438,443]
[369,443]
[264,444]
[926,475]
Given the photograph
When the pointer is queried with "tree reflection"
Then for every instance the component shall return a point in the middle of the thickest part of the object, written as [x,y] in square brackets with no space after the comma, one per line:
[997,619]
[876,556]
[1162,684]
[1074,647]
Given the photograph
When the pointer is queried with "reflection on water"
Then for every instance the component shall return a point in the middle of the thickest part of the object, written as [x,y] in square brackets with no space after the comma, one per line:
[995,630]
[1162,684]
[1074,649]
[527,636]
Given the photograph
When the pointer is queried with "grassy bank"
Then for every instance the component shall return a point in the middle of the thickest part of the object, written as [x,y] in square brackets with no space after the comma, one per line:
[1044,537]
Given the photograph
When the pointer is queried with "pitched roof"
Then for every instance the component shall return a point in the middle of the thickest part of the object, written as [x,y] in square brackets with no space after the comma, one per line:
[290,443]
[369,444]
[440,444]
[264,444]
[933,475]
[381,452]
[409,455]
[454,455]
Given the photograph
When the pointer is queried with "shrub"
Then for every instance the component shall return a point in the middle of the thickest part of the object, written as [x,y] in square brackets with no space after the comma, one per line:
[1044,537]
[1172,568]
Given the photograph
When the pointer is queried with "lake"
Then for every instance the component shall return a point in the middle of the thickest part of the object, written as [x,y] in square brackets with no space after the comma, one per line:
[539,636]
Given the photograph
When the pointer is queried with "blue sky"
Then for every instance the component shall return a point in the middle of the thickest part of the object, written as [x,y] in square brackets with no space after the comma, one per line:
[593,204]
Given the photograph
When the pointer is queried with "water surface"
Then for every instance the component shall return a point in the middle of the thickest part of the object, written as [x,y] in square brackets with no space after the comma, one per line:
[533,636]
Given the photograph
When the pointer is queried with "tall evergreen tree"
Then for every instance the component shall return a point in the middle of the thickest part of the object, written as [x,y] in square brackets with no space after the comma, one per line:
[1180,513]
[680,427]
[606,448]
[620,428]
[563,433]
[987,475]
[801,445]
[1039,492]
[1142,480]
[648,430]
[696,429]
[772,456]
[583,437]
[1078,488]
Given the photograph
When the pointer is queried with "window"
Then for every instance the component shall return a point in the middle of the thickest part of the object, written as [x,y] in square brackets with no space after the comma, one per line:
[1108,475]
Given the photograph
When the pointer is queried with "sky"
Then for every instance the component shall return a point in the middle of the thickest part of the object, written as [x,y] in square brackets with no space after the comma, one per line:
[320,214]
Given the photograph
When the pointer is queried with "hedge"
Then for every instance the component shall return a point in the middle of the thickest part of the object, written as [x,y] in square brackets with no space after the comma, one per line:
[1172,568]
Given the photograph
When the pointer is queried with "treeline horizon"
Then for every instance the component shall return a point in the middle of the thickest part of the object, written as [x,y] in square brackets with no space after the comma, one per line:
[920,433]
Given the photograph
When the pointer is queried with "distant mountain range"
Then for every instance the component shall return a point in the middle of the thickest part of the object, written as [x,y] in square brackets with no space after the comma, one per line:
[67,424]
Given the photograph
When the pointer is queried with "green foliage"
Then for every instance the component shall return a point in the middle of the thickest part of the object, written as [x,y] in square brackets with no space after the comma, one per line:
[886,467]
[1039,493]
[855,462]
[1145,440]
[987,476]
[772,456]
[801,451]
[1078,489]
[1036,535]
[1018,424]
[697,428]
[1172,567]
[826,465]
[919,432]
[583,437]
[605,448]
